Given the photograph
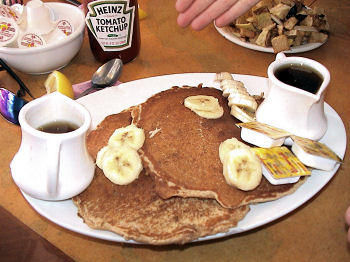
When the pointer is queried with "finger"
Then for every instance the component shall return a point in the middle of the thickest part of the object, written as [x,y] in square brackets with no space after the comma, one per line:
[197,7]
[238,9]
[347,216]
[211,13]
[182,5]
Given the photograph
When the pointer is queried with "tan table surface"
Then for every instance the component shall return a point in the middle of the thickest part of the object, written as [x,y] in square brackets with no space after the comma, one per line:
[314,232]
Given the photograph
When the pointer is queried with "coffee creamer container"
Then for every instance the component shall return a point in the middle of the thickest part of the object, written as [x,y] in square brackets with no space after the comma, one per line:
[114,30]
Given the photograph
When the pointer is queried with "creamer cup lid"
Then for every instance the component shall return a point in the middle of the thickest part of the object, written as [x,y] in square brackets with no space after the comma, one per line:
[65,26]
[8,12]
[30,39]
[8,31]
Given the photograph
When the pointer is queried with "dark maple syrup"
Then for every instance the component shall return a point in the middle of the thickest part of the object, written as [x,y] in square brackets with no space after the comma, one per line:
[300,76]
[58,127]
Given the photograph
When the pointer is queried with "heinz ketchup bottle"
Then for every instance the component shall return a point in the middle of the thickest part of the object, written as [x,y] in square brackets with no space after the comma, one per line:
[113,29]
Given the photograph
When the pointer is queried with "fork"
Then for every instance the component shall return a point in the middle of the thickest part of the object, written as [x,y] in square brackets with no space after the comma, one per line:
[12,2]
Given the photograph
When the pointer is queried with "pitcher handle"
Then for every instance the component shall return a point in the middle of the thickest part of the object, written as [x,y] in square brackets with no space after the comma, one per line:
[280,55]
[53,165]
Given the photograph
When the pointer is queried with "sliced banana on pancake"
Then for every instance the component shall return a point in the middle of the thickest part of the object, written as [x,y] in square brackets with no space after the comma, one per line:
[243,105]
[242,114]
[100,156]
[243,101]
[226,92]
[229,145]
[130,135]
[121,165]
[204,106]
[242,169]
[230,86]
[201,102]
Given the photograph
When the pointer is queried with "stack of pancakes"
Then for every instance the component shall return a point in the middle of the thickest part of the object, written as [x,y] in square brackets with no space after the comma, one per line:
[181,194]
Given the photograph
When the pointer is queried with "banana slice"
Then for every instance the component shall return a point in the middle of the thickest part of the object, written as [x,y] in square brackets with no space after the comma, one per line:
[227,83]
[243,105]
[201,102]
[230,86]
[229,145]
[121,165]
[232,90]
[204,106]
[100,156]
[211,114]
[243,101]
[130,135]
[242,114]
[242,169]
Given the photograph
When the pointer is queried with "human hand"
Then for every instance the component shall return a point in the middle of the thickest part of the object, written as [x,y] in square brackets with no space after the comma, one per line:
[347,219]
[200,13]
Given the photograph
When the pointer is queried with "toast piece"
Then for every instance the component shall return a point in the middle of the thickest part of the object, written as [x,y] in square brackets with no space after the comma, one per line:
[181,151]
[136,212]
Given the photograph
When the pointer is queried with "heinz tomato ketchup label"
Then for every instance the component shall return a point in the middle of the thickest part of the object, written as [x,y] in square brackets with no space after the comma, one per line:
[111,22]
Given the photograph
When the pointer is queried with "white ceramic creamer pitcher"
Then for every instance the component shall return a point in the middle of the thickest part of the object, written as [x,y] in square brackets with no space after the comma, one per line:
[295,110]
[53,166]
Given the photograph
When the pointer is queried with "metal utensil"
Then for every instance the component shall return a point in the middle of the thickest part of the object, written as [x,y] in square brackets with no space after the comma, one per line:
[106,75]
[74,2]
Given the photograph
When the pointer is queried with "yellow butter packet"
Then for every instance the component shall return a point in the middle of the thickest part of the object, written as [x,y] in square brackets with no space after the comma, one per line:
[280,162]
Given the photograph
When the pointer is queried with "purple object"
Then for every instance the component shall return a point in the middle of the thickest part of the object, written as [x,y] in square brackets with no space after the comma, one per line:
[10,105]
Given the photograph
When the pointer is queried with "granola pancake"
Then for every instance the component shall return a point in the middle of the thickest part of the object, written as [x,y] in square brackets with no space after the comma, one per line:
[181,151]
[136,212]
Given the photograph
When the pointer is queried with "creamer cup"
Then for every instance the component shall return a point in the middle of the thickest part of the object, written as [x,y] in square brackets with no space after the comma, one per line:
[8,32]
[54,36]
[21,12]
[65,26]
[39,17]
[10,12]
[30,39]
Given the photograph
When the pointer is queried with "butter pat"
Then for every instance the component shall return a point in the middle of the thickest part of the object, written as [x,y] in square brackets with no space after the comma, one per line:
[314,154]
[262,135]
[280,166]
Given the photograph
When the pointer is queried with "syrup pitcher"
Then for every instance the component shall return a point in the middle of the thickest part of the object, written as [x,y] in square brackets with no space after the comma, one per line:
[295,98]
[52,162]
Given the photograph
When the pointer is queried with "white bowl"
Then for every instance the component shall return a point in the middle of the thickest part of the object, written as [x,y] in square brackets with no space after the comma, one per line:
[52,56]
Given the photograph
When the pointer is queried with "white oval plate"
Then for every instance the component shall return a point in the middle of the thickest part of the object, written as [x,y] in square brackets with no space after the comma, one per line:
[115,99]
[293,50]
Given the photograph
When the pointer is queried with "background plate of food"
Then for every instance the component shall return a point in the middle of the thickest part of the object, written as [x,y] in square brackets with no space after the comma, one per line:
[274,27]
